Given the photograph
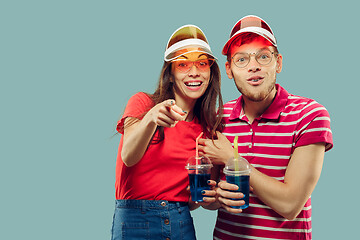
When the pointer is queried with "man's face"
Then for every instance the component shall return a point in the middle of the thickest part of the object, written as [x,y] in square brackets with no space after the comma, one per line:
[256,82]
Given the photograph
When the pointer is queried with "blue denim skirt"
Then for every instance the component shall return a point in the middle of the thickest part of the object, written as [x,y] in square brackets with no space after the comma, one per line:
[150,219]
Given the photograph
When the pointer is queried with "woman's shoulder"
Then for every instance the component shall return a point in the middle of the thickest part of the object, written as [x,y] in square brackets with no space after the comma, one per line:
[136,107]
[140,98]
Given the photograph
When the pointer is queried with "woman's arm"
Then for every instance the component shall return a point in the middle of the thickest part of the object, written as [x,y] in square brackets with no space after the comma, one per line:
[138,134]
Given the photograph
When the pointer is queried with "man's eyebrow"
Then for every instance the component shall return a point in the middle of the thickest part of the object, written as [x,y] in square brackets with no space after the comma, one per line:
[264,48]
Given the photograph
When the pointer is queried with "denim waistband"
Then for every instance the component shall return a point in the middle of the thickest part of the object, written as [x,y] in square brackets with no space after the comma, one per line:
[153,204]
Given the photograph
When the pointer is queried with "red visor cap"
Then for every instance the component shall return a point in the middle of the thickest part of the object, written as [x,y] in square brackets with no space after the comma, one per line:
[253,24]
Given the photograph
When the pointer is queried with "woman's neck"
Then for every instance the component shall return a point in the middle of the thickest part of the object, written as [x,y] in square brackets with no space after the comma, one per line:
[187,106]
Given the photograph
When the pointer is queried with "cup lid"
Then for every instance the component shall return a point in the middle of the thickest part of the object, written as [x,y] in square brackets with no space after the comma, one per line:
[237,166]
[198,162]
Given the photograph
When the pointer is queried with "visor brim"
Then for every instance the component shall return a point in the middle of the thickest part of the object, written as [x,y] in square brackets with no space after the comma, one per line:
[236,35]
[176,54]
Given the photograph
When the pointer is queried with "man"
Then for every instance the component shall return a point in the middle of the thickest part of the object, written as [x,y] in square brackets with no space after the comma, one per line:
[283,137]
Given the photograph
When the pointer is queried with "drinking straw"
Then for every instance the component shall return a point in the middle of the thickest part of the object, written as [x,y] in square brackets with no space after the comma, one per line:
[197,152]
[236,160]
[197,148]
[236,153]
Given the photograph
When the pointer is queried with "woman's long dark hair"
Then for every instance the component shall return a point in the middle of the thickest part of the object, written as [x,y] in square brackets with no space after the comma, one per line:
[208,108]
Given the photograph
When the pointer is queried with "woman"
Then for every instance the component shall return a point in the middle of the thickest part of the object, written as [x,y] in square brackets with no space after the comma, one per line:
[159,132]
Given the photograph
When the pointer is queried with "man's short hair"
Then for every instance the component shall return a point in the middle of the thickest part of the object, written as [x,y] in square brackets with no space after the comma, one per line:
[248,38]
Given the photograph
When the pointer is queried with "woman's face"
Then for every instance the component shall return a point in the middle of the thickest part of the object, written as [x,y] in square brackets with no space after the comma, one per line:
[191,73]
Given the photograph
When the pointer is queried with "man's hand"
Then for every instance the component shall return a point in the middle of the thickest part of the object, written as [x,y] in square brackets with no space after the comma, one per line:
[218,151]
[225,196]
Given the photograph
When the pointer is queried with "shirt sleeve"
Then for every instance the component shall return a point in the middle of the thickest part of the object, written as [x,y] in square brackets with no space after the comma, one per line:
[137,106]
[314,126]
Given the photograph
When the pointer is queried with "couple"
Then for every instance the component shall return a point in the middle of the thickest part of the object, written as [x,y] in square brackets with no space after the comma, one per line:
[283,136]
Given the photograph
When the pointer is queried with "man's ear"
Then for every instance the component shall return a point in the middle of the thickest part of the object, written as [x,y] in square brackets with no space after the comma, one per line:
[279,63]
[228,70]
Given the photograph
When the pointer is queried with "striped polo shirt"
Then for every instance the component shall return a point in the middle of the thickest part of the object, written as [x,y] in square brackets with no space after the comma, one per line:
[268,143]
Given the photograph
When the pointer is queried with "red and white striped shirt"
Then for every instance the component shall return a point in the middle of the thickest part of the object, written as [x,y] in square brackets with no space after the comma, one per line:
[268,143]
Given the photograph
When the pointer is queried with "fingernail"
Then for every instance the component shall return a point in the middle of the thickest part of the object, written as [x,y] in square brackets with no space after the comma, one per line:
[185,112]
[172,102]
[203,192]
[208,181]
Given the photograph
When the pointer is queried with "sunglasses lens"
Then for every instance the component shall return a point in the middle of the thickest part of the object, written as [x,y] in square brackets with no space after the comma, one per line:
[202,65]
[183,66]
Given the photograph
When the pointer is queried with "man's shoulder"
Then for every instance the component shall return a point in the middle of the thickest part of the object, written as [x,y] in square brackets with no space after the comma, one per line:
[302,105]
[300,99]
[295,100]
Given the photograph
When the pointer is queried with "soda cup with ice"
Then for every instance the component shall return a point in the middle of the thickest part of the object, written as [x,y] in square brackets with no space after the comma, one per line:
[237,171]
[199,169]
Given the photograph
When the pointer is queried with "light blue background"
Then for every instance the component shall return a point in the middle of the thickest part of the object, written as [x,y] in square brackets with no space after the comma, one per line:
[67,69]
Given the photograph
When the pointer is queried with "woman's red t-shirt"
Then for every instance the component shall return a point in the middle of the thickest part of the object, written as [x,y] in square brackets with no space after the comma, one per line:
[161,173]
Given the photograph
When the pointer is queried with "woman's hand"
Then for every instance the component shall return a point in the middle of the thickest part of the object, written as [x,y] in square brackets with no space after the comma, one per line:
[209,195]
[138,135]
[208,199]
[165,114]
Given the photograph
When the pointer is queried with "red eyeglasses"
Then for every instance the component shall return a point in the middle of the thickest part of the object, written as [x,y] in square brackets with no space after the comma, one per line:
[185,65]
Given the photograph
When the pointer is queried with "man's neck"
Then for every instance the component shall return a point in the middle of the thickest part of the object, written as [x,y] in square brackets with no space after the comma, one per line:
[254,109]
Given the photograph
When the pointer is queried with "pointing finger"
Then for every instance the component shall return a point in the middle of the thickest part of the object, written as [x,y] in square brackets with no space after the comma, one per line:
[169,102]
[177,109]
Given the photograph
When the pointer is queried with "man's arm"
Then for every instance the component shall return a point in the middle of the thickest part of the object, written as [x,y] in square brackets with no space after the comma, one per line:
[302,174]
[286,198]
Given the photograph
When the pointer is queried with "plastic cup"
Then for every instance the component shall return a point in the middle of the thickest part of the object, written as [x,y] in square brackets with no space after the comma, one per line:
[237,171]
[199,169]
